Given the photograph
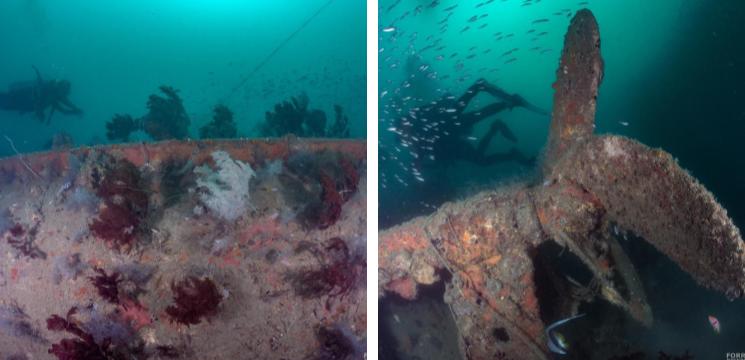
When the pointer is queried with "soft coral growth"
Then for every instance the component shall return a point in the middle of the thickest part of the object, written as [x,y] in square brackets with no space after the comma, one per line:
[84,347]
[166,119]
[331,202]
[194,299]
[116,225]
[225,191]
[175,178]
[222,125]
[121,126]
[126,203]
[319,185]
[122,178]
[334,194]
[336,278]
[295,117]
[340,128]
[17,230]
[288,117]
[107,285]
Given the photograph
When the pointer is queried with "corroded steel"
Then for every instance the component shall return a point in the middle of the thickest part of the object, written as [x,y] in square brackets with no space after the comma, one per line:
[578,78]
[250,150]
[485,242]
[661,202]
[592,187]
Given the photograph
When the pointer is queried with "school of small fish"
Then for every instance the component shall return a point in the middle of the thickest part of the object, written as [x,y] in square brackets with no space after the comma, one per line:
[443,46]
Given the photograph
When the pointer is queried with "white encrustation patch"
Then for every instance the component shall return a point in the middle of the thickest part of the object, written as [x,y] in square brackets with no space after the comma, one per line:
[226,189]
[613,147]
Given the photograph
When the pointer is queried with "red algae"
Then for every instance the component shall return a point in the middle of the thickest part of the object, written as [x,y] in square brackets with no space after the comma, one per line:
[23,241]
[107,285]
[331,203]
[126,204]
[336,278]
[83,347]
[194,300]
[17,230]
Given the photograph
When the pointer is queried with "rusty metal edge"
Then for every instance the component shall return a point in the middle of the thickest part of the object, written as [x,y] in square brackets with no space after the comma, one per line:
[249,150]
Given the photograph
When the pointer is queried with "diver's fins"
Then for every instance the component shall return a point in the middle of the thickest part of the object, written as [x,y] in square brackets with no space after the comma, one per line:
[39,79]
[516,100]
[530,107]
[502,128]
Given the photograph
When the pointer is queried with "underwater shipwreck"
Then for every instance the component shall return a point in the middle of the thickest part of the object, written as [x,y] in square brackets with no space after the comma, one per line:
[496,251]
[221,249]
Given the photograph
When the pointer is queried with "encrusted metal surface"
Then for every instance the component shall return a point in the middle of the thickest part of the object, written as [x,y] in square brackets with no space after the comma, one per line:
[592,188]
[578,78]
[659,201]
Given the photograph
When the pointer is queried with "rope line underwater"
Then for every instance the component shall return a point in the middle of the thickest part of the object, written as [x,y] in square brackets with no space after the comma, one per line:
[274,52]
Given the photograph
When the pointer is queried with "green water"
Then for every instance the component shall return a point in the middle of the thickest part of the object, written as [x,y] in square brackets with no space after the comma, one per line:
[115,54]
[636,37]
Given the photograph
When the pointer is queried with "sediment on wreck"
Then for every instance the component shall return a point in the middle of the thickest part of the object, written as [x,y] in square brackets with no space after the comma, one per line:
[187,272]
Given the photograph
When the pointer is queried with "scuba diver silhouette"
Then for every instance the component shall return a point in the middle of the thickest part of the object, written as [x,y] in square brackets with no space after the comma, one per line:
[441,129]
[38,97]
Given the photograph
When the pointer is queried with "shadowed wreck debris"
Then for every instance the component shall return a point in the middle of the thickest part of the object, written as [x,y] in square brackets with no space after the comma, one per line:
[591,186]
[181,254]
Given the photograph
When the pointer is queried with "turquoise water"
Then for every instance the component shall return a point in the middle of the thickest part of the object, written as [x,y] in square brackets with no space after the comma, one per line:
[115,54]
[674,78]
[636,38]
